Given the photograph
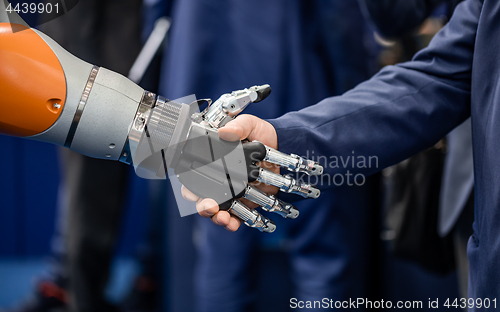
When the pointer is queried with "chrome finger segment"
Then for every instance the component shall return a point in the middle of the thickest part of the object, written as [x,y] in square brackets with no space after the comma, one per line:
[231,104]
[252,217]
[271,203]
[293,162]
[288,184]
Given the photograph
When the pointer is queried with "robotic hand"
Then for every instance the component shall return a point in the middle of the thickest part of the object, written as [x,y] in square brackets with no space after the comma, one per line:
[248,153]
[177,136]
[50,95]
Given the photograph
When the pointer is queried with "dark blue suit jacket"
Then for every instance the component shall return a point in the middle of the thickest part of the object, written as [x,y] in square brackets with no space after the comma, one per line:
[409,107]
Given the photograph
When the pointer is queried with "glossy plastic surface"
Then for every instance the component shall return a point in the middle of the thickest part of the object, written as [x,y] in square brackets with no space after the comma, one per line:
[32,82]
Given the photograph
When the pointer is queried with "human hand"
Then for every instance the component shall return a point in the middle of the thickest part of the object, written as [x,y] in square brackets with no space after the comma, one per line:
[250,171]
[243,127]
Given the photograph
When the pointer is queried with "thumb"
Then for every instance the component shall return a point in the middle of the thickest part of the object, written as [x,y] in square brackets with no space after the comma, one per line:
[239,129]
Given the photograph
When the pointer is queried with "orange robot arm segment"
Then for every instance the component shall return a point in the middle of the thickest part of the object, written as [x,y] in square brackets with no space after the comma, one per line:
[32,82]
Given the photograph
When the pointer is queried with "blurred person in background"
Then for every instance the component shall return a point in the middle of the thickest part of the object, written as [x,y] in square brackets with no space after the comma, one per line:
[306,50]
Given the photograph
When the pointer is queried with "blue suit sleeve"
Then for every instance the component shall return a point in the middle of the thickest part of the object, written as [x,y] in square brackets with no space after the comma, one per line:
[395,18]
[400,111]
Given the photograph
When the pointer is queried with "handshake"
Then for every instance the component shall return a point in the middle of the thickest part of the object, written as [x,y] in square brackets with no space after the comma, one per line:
[227,165]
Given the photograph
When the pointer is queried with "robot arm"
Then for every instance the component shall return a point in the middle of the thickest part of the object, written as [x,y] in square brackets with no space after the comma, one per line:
[49,95]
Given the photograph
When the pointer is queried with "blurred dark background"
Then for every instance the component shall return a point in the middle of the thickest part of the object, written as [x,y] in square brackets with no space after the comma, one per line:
[28,189]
